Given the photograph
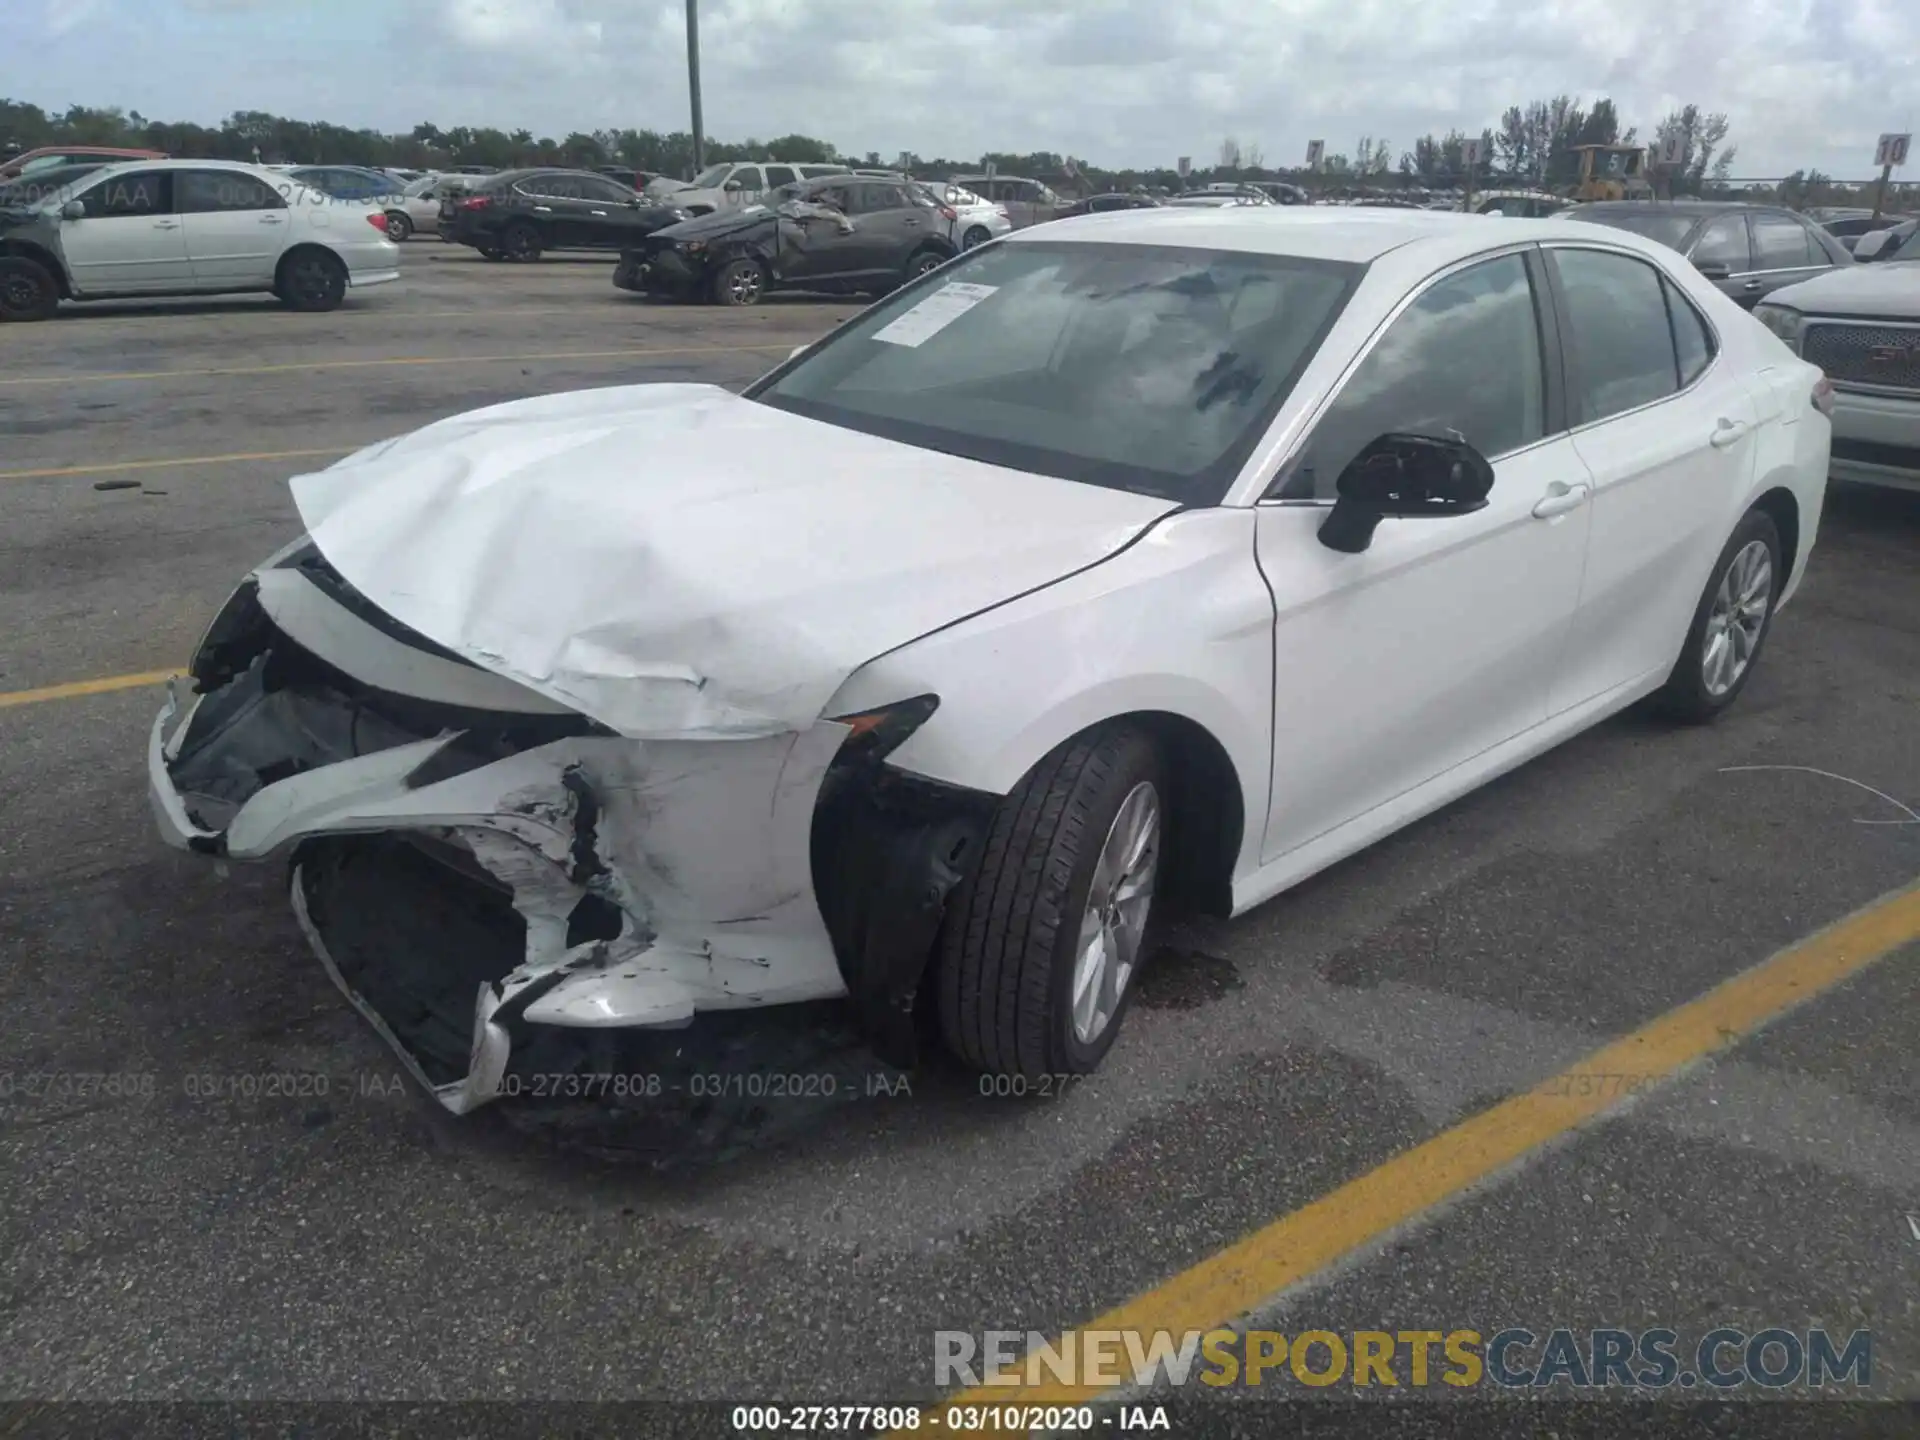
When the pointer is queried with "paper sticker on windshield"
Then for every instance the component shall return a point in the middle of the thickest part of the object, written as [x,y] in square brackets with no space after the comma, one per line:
[934,314]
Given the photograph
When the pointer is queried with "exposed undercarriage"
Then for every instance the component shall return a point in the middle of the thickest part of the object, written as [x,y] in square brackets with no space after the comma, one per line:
[485,873]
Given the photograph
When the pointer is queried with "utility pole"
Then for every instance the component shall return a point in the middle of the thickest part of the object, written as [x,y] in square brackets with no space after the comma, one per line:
[693,84]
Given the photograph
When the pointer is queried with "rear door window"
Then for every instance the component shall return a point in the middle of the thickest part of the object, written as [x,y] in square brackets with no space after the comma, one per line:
[1621,347]
[204,192]
[1781,243]
[778,175]
[1724,242]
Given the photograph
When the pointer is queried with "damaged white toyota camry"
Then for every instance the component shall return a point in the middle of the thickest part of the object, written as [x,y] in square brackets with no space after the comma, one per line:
[1132,561]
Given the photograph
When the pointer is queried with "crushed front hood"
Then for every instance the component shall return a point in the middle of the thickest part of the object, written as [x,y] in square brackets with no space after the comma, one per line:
[675,561]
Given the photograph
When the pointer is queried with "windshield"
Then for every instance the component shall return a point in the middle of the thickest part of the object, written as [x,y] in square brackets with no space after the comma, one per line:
[712,177]
[39,185]
[1146,368]
[1665,227]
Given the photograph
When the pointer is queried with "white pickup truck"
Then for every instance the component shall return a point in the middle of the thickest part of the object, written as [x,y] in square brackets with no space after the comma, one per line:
[1861,324]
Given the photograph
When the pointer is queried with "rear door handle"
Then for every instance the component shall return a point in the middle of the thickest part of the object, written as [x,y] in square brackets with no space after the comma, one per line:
[1728,431]
[1562,497]
[166,224]
[269,219]
[1752,285]
[543,209]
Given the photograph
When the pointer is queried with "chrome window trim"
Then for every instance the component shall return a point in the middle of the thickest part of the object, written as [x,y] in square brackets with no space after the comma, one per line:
[1719,346]
[1406,302]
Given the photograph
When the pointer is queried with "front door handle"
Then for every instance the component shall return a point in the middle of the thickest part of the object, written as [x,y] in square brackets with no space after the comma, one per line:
[269,219]
[1728,431]
[1752,285]
[166,224]
[1562,497]
[543,209]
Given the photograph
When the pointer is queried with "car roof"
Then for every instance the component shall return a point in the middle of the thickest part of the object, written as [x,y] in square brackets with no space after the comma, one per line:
[1357,234]
[1682,207]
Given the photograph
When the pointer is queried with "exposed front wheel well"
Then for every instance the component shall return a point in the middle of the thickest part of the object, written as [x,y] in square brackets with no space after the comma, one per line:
[42,258]
[1206,818]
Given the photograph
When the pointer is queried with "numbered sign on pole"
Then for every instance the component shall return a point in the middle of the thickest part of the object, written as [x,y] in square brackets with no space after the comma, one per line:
[1470,153]
[1186,166]
[1672,151]
[1316,150]
[1892,150]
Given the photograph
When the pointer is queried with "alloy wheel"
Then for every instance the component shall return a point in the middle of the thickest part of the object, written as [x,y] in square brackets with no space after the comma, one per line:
[1738,616]
[1115,919]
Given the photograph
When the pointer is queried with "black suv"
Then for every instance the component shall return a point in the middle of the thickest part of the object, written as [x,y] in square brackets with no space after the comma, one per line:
[521,214]
[840,233]
[1746,250]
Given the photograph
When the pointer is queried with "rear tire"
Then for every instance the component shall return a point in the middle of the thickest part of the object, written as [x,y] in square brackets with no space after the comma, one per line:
[1730,625]
[311,281]
[28,290]
[399,226]
[978,235]
[521,242]
[923,262]
[1025,933]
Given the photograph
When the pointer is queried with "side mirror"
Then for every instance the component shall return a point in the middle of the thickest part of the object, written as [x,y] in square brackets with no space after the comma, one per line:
[734,186]
[1713,269]
[73,210]
[1405,476]
[1869,245]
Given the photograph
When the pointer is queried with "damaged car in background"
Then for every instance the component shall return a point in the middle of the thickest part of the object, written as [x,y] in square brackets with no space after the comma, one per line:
[1137,560]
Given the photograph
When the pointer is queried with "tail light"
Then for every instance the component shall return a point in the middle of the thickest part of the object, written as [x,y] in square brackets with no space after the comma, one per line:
[1823,396]
[475,202]
[947,212]
[378,221]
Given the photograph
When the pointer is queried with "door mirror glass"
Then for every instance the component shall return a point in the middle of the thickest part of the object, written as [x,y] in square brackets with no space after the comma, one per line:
[72,210]
[1409,476]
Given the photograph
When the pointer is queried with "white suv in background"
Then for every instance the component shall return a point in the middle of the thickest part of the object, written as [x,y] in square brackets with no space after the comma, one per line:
[1861,324]
[191,227]
[731,183]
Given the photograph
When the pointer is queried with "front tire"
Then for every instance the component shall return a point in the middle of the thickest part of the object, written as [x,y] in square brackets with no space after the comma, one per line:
[740,282]
[28,290]
[312,281]
[1730,625]
[1042,944]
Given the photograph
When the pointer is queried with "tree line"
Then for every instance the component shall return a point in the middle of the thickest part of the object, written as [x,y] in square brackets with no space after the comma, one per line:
[1534,145]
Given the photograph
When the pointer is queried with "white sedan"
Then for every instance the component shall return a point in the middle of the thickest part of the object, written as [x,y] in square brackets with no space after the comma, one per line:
[1139,561]
[190,227]
[975,221]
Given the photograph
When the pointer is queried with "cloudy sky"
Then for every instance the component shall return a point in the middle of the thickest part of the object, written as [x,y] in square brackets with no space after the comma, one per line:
[1806,83]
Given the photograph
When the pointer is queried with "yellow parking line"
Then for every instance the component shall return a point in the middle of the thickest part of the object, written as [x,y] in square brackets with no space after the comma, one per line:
[1228,1285]
[118,465]
[75,689]
[303,366]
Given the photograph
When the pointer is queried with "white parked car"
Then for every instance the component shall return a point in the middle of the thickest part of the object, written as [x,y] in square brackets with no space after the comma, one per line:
[1861,325]
[1134,561]
[732,183]
[189,227]
[975,221]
